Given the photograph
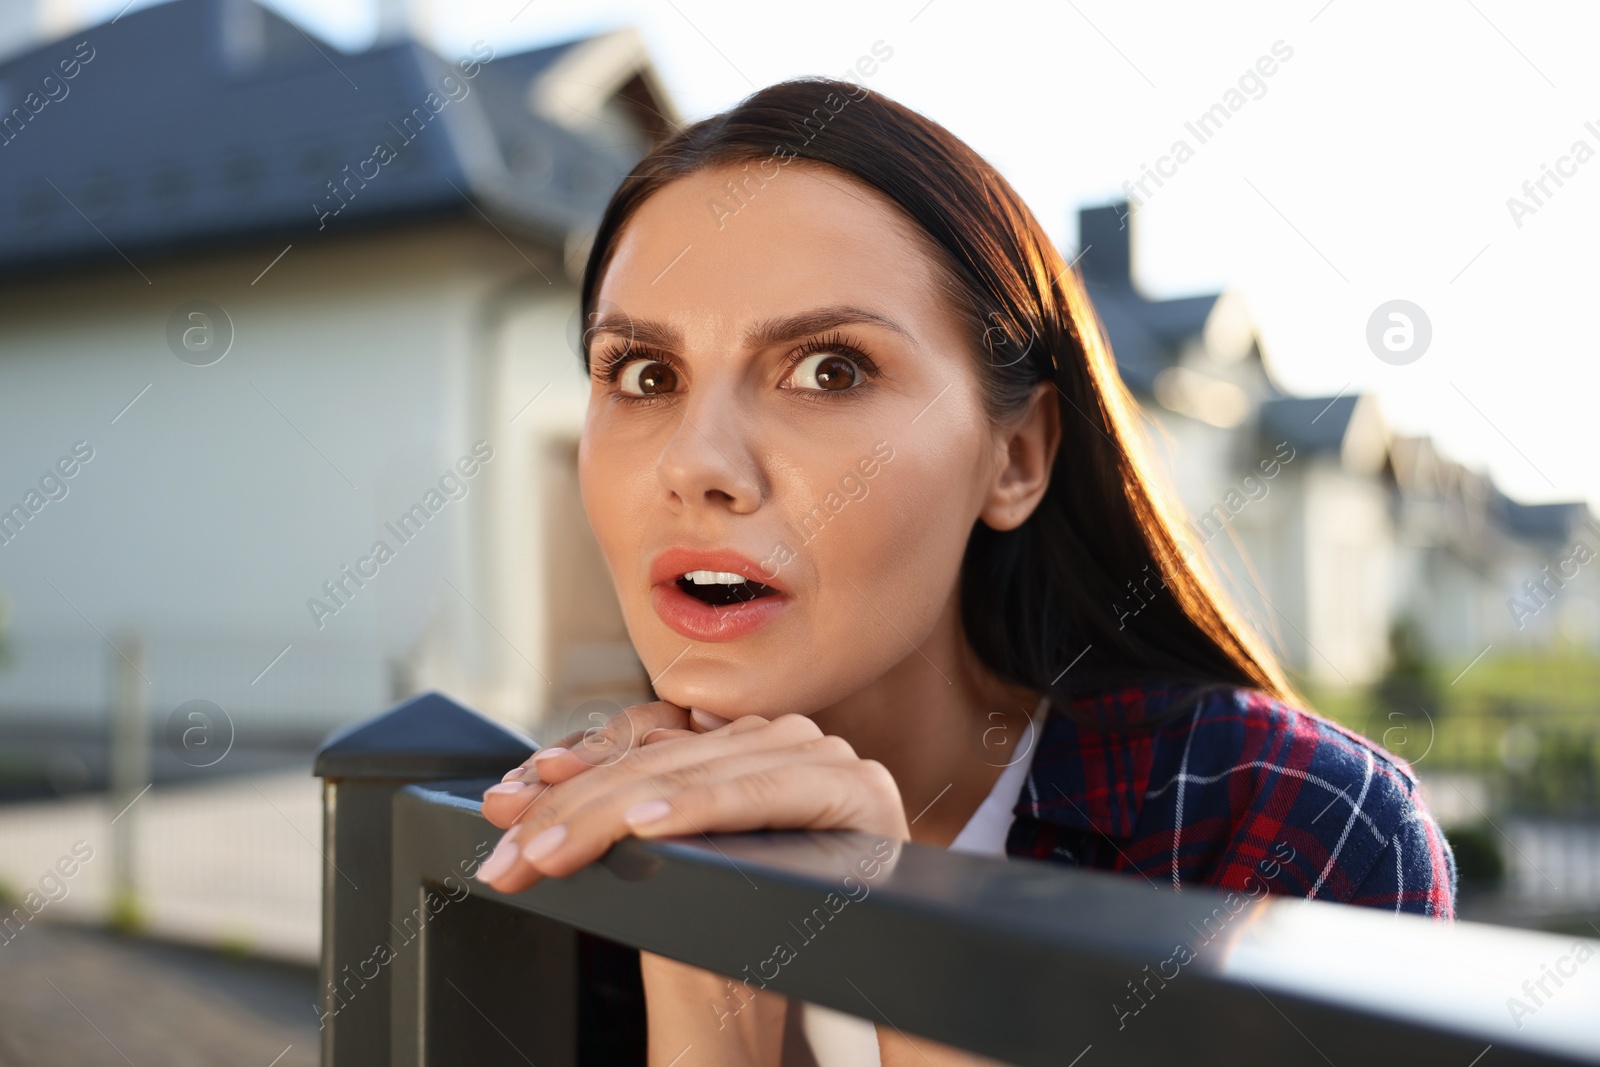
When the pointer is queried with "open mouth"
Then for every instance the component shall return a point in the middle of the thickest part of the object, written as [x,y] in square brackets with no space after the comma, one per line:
[722,588]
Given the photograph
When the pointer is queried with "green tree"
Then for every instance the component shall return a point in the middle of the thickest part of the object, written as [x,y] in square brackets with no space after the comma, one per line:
[1411,680]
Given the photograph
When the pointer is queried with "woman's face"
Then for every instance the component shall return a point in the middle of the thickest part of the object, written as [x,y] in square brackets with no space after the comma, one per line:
[795,404]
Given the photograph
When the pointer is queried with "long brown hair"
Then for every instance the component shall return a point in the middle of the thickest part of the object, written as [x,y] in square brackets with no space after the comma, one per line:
[1053,592]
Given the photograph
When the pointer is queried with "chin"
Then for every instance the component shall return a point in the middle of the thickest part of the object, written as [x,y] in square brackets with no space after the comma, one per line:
[720,698]
[729,690]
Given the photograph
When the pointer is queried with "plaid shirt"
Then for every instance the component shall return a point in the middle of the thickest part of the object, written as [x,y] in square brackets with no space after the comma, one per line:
[1242,792]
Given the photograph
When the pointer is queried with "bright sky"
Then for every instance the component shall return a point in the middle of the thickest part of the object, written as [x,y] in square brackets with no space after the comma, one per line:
[1375,164]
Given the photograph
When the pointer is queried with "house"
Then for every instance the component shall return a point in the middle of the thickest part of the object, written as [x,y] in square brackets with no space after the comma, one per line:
[1327,527]
[1286,495]
[1487,567]
[290,391]
[290,397]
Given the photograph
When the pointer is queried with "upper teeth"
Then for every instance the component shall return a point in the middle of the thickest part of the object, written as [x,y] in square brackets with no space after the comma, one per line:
[716,578]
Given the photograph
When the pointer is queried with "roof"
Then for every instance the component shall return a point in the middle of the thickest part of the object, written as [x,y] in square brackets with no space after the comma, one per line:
[1310,423]
[1554,523]
[1146,335]
[209,122]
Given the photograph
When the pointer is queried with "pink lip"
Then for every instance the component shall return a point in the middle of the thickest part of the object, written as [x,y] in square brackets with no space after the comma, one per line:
[671,563]
[700,621]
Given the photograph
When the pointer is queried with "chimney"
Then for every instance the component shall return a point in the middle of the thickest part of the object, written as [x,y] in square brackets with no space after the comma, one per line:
[1105,246]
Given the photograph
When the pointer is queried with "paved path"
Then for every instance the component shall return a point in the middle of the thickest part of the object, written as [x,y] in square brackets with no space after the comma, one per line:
[235,862]
[78,998]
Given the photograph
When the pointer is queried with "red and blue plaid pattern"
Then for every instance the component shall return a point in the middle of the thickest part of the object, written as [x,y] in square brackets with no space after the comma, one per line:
[1243,791]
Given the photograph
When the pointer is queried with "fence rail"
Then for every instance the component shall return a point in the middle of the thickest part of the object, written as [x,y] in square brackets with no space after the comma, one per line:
[1025,962]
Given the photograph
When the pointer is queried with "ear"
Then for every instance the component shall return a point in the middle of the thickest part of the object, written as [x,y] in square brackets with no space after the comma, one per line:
[1027,453]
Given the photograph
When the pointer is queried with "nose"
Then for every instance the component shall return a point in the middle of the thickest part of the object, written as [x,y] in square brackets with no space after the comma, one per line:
[708,462]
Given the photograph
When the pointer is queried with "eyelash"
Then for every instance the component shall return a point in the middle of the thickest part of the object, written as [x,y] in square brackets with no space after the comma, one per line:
[617,356]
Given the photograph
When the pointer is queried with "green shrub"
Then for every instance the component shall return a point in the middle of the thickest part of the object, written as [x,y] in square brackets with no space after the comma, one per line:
[1479,865]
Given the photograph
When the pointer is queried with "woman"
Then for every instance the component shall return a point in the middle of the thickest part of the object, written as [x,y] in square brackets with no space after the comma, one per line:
[874,499]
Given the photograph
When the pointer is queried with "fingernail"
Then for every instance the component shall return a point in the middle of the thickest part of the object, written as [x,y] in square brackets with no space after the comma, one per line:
[544,842]
[647,811]
[515,773]
[499,861]
[547,753]
[505,788]
[707,720]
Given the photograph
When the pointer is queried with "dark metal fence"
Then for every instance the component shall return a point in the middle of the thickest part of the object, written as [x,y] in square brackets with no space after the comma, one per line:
[1025,962]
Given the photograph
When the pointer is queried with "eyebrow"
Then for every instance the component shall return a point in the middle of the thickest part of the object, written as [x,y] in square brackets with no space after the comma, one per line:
[763,334]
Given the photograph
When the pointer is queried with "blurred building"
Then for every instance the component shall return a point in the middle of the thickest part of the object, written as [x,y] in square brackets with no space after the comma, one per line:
[276,305]
[1328,526]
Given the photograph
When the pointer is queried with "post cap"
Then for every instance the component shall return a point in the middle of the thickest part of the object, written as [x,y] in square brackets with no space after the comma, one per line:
[427,737]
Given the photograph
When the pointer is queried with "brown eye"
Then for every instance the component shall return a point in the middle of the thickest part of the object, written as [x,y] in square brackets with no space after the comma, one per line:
[826,371]
[645,377]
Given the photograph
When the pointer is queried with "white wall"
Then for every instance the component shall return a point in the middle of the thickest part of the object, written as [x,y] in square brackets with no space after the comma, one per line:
[1349,570]
[226,495]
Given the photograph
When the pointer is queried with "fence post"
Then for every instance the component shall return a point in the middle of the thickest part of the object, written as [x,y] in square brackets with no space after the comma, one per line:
[427,738]
[129,777]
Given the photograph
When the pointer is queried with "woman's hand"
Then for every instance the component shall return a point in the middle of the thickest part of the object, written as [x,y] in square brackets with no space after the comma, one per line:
[750,774]
[713,775]
[695,772]
[580,750]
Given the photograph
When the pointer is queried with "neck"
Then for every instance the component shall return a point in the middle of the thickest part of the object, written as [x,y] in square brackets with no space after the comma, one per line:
[943,724]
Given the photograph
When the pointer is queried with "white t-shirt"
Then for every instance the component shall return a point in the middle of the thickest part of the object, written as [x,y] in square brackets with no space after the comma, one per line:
[840,1040]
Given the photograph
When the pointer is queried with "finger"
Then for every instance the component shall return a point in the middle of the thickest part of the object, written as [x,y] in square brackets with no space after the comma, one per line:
[529,813]
[773,793]
[742,745]
[747,735]
[665,733]
[702,721]
[854,794]
[593,744]
[527,771]
[562,742]
[606,744]
[508,802]
[569,836]
[521,788]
